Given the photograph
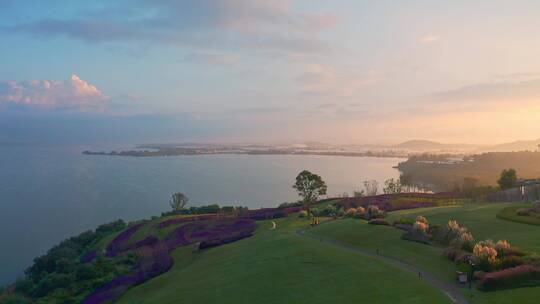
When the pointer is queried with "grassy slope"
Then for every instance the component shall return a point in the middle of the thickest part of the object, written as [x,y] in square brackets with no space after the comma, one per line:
[481,220]
[279,266]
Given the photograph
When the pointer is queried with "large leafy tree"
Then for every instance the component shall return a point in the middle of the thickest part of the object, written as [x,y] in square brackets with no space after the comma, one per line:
[309,186]
[178,201]
[508,179]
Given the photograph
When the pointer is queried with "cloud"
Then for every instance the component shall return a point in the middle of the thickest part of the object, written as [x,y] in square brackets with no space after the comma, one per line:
[258,24]
[497,91]
[428,39]
[74,94]
[213,59]
[326,80]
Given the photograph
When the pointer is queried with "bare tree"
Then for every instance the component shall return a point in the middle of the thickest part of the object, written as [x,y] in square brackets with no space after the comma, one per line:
[371,187]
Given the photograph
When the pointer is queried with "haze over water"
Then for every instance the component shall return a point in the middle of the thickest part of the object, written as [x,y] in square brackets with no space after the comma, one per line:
[50,193]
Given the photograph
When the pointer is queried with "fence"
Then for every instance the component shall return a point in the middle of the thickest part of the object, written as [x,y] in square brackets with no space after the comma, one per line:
[528,193]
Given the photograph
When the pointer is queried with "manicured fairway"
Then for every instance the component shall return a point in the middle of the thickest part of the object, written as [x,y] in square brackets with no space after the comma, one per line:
[279,266]
[480,219]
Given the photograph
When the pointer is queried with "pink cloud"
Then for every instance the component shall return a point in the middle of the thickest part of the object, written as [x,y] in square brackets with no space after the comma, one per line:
[73,94]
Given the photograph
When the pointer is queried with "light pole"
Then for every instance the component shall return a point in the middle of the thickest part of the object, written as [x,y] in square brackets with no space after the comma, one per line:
[471,272]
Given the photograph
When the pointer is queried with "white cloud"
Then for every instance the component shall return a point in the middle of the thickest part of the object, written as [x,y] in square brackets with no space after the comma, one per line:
[74,94]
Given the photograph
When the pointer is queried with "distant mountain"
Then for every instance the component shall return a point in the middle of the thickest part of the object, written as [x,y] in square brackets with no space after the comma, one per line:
[428,145]
[520,145]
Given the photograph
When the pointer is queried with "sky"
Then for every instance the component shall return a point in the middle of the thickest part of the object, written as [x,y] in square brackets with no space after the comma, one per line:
[342,71]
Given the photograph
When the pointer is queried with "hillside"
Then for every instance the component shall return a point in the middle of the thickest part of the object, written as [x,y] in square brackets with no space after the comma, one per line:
[515,146]
[285,260]
[427,145]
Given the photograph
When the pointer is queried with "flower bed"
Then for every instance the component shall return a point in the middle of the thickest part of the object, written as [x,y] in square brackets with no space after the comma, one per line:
[270,213]
[185,219]
[256,214]
[120,242]
[153,255]
[391,202]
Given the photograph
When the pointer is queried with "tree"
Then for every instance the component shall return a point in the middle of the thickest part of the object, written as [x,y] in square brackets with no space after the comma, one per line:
[406,181]
[508,179]
[358,193]
[309,186]
[392,186]
[178,201]
[371,187]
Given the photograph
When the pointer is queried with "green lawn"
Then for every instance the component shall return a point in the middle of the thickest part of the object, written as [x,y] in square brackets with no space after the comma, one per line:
[480,219]
[509,213]
[279,266]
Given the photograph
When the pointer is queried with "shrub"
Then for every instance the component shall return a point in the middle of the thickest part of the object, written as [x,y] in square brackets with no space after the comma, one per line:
[479,275]
[421,219]
[465,241]
[351,212]
[523,211]
[455,235]
[340,213]
[502,246]
[520,276]
[420,228]
[303,214]
[329,210]
[378,221]
[315,212]
[360,212]
[535,207]
[511,261]
[373,211]
[486,254]
[451,253]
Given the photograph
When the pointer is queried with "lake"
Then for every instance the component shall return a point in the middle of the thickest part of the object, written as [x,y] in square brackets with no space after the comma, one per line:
[50,193]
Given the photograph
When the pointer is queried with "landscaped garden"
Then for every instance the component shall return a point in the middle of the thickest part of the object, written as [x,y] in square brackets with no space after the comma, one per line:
[478,220]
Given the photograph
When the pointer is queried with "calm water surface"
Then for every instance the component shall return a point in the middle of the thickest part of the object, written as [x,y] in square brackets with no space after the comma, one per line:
[50,193]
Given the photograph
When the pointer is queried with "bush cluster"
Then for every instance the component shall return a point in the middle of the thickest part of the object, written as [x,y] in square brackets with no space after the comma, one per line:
[534,210]
[520,276]
[70,270]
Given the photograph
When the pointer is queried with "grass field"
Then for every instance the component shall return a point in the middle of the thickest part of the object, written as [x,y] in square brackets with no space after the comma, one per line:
[509,213]
[480,219]
[279,266]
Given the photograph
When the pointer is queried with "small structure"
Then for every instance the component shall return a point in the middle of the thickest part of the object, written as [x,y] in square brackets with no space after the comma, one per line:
[462,277]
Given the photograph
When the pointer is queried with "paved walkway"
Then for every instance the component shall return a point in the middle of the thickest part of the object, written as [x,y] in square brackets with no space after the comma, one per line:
[452,291]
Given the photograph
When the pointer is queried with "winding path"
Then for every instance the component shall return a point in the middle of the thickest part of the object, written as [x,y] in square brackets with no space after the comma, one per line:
[452,291]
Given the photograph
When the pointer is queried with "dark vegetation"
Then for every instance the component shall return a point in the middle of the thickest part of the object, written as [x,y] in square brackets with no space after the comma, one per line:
[93,268]
[400,201]
[72,269]
[443,175]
